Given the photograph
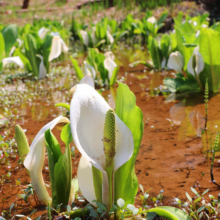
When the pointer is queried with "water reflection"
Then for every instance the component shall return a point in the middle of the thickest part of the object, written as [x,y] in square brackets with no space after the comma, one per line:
[188,113]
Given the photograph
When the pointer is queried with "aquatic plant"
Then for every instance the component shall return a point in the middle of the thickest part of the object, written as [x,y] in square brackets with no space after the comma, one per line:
[103,70]
[59,164]
[96,159]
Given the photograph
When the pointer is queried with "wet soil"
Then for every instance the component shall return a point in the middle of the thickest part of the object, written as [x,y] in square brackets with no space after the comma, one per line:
[174,153]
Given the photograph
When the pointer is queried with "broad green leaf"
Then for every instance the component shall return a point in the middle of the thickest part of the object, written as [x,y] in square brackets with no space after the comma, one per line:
[210,51]
[63,176]
[181,84]
[155,52]
[170,213]
[2,47]
[173,42]
[164,45]
[10,34]
[96,59]
[114,76]
[126,183]
[65,105]
[151,215]
[31,51]
[54,152]
[46,47]
[162,18]
[66,135]
[24,59]
[79,72]
[146,63]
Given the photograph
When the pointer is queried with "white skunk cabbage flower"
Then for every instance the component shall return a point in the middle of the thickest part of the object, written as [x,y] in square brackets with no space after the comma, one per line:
[176,61]
[110,65]
[196,63]
[163,63]
[152,20]
[88,80]
[42,68]
[58,46]
[85,37]
[13,48]
[110,38]
[94,40]
[109,54]
[88,110]
[16,60]
[42,32]
[89,70]
[197,33]
[34,161]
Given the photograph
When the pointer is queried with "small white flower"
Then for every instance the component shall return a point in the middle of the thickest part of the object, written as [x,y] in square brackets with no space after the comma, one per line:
[58,46]
[16,60]
[42,32]
[152,20]
[85,37]
[176,61]
[42,68]
[199,63]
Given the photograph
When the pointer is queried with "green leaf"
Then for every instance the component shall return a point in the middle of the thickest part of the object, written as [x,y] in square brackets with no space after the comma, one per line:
[210,51]
[96,59]
[46,47]
[79,72]
[181,84]
[126,183]
[31,51]
[66,135]
[65,105]
[63,177]
[162,18]
[114,76]
[2,47]
[151,215]
[24,59]
[10,34]
[155,52]
[164,45]
[171,213]
[54,152]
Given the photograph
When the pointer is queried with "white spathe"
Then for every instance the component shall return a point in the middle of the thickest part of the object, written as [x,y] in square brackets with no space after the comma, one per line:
[93,35]
[110,65]
[16,60]
[109,54]
[85,37]
[88,80]
[176,62]
[87,117]
[34,161]
[152,20]
[89,70]
[42,68]
[42,32]
[58,46]
[199,63]
[110,38]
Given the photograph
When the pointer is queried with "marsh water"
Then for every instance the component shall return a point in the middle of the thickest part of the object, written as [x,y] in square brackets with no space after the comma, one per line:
[175,152]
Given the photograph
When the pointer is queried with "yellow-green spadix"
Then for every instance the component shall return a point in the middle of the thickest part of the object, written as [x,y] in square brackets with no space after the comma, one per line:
[34,161]
[22,143]
[88,111]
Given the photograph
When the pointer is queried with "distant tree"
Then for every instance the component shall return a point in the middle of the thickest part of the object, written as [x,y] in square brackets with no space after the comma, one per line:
[25,4]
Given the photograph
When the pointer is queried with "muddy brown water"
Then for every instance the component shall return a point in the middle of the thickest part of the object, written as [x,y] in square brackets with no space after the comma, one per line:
[174,154]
